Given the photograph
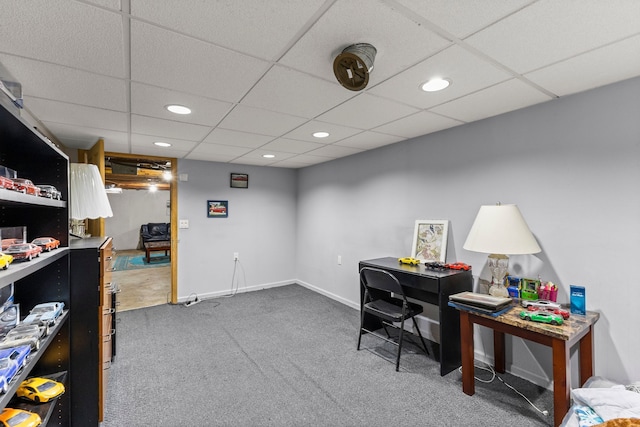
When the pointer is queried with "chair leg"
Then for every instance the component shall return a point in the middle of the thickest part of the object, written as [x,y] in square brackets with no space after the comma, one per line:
[360,331]
[400,345]
[415,324]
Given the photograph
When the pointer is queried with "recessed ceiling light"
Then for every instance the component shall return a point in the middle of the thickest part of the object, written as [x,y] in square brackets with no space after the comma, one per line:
[178,109]
[436,84]
[321,134]
[268,156]
[162,144]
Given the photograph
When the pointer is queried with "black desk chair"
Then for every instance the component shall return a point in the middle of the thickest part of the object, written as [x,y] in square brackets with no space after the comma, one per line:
[379,285]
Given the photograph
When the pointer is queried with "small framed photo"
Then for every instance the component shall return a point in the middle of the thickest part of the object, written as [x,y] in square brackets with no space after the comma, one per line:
[239,180]
[217,208]
[430,240]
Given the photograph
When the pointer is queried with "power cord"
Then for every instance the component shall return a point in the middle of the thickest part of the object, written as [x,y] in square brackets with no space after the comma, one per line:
[489,368]
[235,286]
[193,301]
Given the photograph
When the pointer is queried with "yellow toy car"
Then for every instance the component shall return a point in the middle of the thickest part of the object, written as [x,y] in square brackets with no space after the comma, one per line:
[18,418]
[5,260]
[409,260]
[39,389]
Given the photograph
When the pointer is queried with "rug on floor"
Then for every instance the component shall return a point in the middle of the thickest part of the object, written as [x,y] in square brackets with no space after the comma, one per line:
[127,262]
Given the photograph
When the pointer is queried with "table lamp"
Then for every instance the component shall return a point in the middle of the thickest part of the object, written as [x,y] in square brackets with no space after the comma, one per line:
[88,198]
[500,230]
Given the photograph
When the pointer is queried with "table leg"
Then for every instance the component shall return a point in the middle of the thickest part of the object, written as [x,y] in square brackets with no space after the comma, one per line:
[498,351]
[148,255]
[586,357]
[466,344]
[561,380]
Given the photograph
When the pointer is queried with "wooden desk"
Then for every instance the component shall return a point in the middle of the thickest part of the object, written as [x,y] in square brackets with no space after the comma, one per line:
[155,247]
[576,330]
[434,287]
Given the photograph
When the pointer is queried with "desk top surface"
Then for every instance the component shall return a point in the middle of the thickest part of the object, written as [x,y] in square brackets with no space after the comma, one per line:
[570,328]
[392,264]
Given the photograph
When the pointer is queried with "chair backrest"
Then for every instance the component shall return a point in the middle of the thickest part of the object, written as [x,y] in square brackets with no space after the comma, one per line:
[375,278]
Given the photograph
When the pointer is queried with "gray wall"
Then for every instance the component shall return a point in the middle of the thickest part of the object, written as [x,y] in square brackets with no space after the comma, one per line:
[131,209]
[261,227]
[571,165]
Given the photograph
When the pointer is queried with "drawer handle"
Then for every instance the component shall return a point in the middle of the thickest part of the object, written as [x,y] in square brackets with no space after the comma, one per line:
[108,258]
[108,365]
[109,311]
[111,269]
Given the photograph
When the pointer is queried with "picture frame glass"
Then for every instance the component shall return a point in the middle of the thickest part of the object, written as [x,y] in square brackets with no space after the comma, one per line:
[239,180]
[217,208]
[429,242]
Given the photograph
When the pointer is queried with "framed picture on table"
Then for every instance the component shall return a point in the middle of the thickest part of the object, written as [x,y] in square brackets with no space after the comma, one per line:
[430,240]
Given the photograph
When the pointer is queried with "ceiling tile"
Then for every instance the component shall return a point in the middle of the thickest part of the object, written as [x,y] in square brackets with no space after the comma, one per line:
[84,138]
[464,17]
[59,83]
[336,132]
[226,150]
[151,101]
[369,140]
[162,58]
[139,141]
[366,111]
[289,91]
[569,76]
[236,138]
[164,128]
[111,4]
[504,97]
[291,146]
[421,123]
[261,28]
[400,42]
[300,161]
[549,31]
[254,120]
[63,32]
[334,151]
[466,71]
[78,115]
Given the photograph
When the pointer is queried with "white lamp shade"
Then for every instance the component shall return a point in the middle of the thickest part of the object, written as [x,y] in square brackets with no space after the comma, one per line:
[501,229]
[88,197]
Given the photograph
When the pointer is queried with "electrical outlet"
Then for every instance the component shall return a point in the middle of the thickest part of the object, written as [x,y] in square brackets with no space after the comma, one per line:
[236,256]
[184,223]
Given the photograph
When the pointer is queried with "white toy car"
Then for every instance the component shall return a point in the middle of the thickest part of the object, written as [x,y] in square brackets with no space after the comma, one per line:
[541,303]
[24,335]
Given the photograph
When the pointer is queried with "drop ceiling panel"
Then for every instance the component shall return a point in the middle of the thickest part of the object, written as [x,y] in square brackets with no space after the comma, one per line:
[549,31]
[162,58]
[400,42]
[300,161]
[462,18]
[292,92]
[421,123]
[453,63]
[64,32]
[264,122]
[59,83]
[217,152]
[77,115]
[507,96]
[261,28]
[151,101]
[291,146]
[336,132]
[236,138]
[567,77]
[169,129]
[366,111]
[139,141]
[82,137]
[334,151]
[369,140]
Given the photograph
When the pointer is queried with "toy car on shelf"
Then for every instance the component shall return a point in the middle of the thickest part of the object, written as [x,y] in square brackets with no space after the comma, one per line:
[11,417]
[559,311]
[26,186]
[23,251]
[25,335]
[46,243]
[458,266]
[7,183]
[44,314]
[542,317]
[409,261]
[39,390]
[8,242]
[11,361]
[49,191]
[541,303]
[5,260]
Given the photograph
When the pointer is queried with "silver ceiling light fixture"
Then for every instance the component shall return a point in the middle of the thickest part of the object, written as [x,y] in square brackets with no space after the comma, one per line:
[353,66]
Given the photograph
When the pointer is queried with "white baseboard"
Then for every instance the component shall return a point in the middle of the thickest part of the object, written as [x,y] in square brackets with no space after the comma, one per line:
[226,293]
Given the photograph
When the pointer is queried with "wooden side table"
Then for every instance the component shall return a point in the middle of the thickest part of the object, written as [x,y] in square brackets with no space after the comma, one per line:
[576,330]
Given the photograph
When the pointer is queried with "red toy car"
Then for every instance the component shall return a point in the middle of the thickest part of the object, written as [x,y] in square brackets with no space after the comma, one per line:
[46,243]
[458,266]
[23,251]
[7,183]
[26,186]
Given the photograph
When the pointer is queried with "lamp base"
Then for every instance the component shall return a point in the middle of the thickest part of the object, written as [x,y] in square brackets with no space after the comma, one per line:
[498,291]
[498,265]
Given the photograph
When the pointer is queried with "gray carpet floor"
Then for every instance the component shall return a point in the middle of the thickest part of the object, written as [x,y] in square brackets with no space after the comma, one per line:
[287,357]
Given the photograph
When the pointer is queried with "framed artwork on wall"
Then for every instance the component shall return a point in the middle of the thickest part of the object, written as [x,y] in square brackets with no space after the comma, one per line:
[430,240]
[217,208]
[239,180]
